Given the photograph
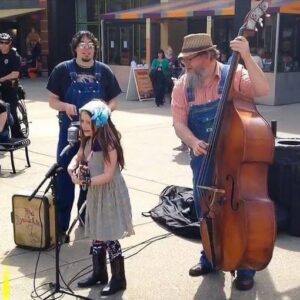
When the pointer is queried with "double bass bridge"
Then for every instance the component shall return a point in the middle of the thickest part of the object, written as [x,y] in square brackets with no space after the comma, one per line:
[214,192]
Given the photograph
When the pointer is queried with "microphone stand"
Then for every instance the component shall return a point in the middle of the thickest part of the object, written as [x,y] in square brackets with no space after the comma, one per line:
[51,174]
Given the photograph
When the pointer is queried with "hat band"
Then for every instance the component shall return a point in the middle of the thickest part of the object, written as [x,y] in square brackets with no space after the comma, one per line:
[195,49]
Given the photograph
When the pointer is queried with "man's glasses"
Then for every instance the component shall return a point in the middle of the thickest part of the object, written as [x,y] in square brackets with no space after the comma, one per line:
[5,43]
[86,46]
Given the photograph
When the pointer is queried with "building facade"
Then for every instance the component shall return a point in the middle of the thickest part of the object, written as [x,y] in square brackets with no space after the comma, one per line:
[166,23]
[138,28]
[17,17]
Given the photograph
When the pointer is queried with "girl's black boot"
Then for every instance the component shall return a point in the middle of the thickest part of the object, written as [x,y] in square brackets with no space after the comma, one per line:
[118,280]
[99,274]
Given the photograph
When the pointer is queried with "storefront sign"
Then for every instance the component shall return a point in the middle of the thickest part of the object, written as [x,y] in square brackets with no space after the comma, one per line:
[139,85]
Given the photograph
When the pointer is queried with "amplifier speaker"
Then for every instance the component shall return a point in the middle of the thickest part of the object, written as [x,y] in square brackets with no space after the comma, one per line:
[33,221]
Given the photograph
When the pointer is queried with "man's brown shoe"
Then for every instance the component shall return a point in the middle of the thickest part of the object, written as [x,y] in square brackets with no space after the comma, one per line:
[199,270]
[243,283]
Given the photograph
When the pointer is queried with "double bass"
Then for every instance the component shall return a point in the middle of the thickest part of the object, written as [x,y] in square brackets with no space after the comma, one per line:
[238,225]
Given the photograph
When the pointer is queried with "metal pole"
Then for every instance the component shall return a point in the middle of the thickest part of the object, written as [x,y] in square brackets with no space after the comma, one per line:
[102,41]
[208,25]
[276,43]
[241,8]
[148,41]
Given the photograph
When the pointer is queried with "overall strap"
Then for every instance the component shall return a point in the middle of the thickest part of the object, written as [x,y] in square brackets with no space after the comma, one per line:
[224,72]
[190,94]
[97,70]
[71,69]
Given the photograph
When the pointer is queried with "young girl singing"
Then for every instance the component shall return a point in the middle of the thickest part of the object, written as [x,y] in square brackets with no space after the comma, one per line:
[108,211]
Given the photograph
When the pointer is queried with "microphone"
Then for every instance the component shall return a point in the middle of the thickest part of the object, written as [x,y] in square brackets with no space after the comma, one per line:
[73,137]
[73,133]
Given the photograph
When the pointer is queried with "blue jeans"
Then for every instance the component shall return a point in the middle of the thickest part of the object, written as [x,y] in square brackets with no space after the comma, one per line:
[4,136]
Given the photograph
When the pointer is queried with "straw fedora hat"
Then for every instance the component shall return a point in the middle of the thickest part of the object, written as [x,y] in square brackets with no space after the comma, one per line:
[196,43]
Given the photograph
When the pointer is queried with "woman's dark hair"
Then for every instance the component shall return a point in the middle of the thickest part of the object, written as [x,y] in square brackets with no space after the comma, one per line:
[109,138]
[77,38]
[162,52]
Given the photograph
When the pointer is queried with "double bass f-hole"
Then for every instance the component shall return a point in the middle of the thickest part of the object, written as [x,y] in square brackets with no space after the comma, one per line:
[234,204]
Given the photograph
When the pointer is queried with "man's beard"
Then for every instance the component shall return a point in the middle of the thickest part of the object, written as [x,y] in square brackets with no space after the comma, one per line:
[86,60]
[195,79]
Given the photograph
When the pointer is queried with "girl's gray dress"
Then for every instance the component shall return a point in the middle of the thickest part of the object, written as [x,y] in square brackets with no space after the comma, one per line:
[108,211]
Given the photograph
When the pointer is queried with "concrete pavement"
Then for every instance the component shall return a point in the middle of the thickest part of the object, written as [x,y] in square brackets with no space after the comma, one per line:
[160,270]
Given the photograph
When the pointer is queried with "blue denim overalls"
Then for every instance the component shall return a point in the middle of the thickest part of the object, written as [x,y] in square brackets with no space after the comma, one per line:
[78,93]
[200,122]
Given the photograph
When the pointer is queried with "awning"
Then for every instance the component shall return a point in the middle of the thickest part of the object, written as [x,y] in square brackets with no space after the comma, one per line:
[151,11]
[11,13]
[288,7]
[192,8]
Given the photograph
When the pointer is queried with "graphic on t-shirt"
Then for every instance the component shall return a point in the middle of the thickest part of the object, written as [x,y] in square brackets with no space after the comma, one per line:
[85,78]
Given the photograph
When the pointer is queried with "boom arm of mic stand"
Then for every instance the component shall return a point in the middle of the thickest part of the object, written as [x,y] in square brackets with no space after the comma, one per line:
[54,169]
[66,149]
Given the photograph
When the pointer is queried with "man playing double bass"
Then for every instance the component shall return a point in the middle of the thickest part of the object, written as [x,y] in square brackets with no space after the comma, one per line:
[194,101]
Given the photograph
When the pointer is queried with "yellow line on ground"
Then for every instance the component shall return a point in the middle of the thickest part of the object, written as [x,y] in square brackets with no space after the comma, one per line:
[6,288]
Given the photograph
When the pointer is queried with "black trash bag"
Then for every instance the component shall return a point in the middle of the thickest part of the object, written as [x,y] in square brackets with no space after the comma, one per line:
[176,212]
[282,218]
[284,184]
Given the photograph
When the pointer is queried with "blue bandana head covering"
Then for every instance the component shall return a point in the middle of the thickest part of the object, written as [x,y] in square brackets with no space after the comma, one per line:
[99,111]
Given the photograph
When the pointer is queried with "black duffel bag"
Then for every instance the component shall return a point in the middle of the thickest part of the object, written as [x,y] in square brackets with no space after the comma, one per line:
[176,212]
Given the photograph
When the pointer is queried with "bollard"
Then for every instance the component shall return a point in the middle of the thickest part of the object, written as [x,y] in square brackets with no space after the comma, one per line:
[274,128]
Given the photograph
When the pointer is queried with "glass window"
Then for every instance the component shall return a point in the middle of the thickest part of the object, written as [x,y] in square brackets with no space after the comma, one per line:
[119,43]
[140,3]
[289,44]
[112,44]
[222,33]
[117,5]
[262,44]
[126,44]
[89,10]
[139,42]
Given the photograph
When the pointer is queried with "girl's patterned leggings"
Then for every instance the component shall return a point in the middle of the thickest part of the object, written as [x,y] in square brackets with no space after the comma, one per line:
[113,248]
